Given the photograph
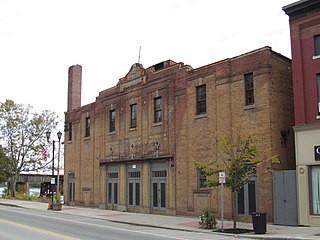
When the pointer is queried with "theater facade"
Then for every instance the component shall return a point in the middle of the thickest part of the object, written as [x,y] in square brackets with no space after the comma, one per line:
[134,148]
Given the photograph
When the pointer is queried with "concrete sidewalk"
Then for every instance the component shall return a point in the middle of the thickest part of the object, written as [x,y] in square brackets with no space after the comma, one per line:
[172,222]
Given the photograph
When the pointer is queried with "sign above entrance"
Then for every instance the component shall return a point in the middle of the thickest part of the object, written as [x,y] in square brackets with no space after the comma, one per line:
[317,153]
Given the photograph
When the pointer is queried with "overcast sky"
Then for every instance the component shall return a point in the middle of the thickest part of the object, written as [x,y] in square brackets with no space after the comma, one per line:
[40,39]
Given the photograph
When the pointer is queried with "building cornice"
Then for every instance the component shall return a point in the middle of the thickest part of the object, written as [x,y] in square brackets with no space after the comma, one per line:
[301,8]
[306,127]
[128,160]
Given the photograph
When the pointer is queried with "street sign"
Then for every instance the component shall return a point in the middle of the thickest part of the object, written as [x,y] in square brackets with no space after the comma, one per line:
[53,180]
[222,177]
[222,180]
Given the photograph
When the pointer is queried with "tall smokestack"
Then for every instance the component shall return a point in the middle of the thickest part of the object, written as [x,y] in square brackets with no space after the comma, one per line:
[74,87]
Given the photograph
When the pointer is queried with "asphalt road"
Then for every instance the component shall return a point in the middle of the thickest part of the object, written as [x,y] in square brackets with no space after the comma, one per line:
[28,224]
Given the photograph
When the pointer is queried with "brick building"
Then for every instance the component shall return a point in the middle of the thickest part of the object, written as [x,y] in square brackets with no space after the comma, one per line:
[134,148]
[304,19]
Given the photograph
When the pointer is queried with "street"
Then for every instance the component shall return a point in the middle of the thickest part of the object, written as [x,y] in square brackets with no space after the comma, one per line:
[25,224]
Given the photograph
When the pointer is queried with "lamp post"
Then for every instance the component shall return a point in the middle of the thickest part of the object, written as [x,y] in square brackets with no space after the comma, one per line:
[59,134]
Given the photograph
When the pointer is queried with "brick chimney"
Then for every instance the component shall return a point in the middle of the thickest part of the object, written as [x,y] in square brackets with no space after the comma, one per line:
[74,87]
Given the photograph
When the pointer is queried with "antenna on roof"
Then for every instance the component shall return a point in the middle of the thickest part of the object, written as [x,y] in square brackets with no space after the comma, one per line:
[139,54]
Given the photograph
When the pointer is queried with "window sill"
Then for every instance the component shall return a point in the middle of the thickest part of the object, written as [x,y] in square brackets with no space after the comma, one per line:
[248,107]
[86,138]
[69,142]
[157,124]
[318,117]
[133,129]
[204,190]
[316,57]
[112,133]
[202,115]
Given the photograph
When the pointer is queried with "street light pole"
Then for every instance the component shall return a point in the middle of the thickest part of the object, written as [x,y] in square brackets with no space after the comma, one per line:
[52,174]
[59,134]
[58,173]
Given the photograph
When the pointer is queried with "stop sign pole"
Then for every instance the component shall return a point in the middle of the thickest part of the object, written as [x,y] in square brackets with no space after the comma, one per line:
[222,180]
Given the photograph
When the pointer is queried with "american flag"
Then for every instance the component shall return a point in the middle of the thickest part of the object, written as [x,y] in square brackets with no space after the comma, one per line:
[44,154]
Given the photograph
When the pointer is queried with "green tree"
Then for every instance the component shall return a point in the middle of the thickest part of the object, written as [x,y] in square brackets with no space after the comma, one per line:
[240,159]
[22,132]
[4,165]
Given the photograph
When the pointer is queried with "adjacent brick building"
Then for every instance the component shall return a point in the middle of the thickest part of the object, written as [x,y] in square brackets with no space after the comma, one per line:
[304,18]
[134,148]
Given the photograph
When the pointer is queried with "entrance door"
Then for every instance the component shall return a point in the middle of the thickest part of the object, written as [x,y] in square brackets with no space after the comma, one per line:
[159,195]
[71,192]
[285,198]
[112,186]
[133,194]
[246,199]
[159,186]
[113,193]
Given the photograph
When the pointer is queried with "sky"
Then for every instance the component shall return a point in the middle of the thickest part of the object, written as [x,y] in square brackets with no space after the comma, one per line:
[41,39]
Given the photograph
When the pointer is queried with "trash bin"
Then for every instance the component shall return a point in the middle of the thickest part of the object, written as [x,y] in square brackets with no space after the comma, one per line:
[259,222]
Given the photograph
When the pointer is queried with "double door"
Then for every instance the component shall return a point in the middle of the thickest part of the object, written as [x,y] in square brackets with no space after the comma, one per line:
[159,194]
[112,193]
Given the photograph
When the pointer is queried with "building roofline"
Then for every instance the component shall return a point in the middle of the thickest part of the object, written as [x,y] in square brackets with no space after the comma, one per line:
[301,8]
[265,48]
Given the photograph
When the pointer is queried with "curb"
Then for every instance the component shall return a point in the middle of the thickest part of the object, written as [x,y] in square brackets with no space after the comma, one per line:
[239,236]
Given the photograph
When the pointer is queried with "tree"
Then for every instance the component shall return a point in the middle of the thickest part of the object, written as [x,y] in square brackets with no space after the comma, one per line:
[4,165]
[240,157]
[22,131]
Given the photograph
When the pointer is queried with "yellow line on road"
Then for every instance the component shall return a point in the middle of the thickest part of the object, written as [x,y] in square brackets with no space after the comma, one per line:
[61,236]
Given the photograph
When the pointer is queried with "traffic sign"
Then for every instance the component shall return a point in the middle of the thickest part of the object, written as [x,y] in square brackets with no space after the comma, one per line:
[222,177]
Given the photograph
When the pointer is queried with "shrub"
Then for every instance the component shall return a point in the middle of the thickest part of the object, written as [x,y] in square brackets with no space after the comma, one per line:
[207,220]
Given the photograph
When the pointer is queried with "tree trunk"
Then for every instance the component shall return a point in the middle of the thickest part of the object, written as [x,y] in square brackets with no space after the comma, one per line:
[234,210]
[13,183]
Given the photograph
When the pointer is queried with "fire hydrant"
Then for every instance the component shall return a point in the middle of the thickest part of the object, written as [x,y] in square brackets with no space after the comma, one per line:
[49,204]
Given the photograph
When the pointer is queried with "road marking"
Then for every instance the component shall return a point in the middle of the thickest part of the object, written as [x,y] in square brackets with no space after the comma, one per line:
[104,226]
[61,236]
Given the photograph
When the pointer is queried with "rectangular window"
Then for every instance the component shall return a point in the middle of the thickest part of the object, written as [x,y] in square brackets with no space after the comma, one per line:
[87,133]
[70,131]
[249,88]
[246,199]
[240,201]
[110,193]
[201,99]
[317,45]
[112,175]
[160,173]
[157,110]
[315,190]
[318,88]
[131,193]
[155,194]
[115,193]
[112,121]
[137,193]
[252,196]
[133,116]
[202,179]
[163,194]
